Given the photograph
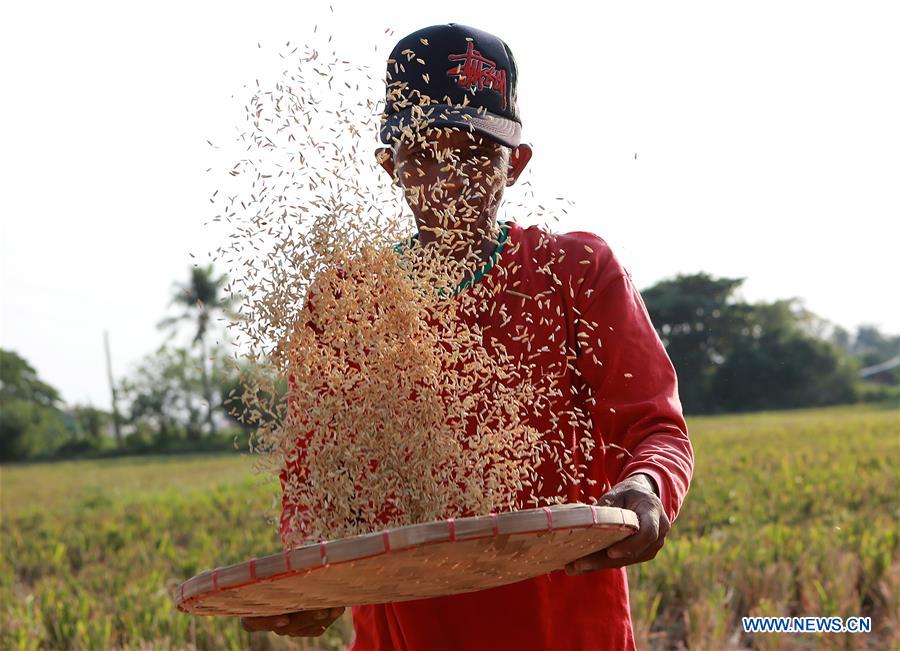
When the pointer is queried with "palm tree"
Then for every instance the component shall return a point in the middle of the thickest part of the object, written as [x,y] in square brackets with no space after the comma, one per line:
[200,300]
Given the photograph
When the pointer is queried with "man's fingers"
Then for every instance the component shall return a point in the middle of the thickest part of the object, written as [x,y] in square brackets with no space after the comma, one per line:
[636,541]
[314,630]
[646,535]
[268,623]
[294,623]
[643,545]
[612,497]
[322,619]
[591,563]
[600,561]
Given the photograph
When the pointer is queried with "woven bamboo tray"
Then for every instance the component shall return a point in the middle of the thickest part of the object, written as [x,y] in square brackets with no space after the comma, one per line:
[412,562]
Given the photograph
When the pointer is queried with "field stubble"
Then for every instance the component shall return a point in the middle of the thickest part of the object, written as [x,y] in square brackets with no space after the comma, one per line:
[789,513]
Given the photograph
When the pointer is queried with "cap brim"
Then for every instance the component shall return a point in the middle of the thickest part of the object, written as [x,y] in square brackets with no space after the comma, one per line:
[503,130]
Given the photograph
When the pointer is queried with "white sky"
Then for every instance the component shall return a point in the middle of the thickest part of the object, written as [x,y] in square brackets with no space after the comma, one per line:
[767,138]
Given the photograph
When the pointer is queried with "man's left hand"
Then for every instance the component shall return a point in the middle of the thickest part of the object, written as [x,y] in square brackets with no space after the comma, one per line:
[638,494]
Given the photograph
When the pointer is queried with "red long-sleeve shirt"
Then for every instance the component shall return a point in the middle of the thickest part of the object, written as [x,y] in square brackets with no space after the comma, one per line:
[623,378]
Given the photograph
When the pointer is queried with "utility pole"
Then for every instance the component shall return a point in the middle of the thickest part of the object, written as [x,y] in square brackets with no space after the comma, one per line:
[117,422]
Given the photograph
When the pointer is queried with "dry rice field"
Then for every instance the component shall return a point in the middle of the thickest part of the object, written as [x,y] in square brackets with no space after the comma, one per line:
[792,512]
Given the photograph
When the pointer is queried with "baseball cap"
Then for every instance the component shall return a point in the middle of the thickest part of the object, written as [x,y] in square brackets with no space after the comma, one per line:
[452,75]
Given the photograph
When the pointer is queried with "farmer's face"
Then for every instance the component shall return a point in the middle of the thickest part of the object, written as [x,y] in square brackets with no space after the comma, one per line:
[453,181]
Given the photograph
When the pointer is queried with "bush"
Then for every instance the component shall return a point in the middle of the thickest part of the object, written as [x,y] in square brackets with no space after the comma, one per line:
[29,429]
[783,370]
[870,392]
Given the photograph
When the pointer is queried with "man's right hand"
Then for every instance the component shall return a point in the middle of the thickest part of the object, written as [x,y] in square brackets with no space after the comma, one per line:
[306,623]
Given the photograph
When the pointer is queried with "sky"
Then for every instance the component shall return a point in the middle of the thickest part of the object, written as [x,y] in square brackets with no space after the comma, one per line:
[756,140]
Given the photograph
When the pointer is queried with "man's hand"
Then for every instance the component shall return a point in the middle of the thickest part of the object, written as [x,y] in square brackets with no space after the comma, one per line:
[306,623]
[637,493]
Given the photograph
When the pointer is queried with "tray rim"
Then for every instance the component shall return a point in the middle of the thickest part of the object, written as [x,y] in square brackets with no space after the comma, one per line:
[497,524]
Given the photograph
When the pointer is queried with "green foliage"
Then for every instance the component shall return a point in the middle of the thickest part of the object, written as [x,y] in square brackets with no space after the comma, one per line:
[790,512]
[698,326]
[31,422]
[19,381]
[201,299]
[29,429]
[94,549]
[783,369]
[888,394]
[872,347]
[165,392]
[164,396]
[735,356]
[164,399]
[92,422]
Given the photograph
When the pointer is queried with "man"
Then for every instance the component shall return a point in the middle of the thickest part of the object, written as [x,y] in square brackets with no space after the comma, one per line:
[587,327]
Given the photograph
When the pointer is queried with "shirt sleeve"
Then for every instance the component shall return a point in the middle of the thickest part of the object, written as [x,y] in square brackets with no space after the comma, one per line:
[633,389]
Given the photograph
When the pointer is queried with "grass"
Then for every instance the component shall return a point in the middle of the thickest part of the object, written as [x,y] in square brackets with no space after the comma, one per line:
[790,512]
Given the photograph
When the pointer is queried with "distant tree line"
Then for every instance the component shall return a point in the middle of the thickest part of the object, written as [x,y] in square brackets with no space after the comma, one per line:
[730,355]
[176,398]
[164,410]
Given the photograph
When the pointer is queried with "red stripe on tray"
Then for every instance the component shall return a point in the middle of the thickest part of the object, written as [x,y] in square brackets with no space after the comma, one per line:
[451,525]
[185,605]
[386,537]
[253,569]
[215,579]
[549,517]
[287,559]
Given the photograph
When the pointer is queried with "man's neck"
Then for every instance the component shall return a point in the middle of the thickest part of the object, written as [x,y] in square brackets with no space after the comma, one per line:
[474,252]
[480,249]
